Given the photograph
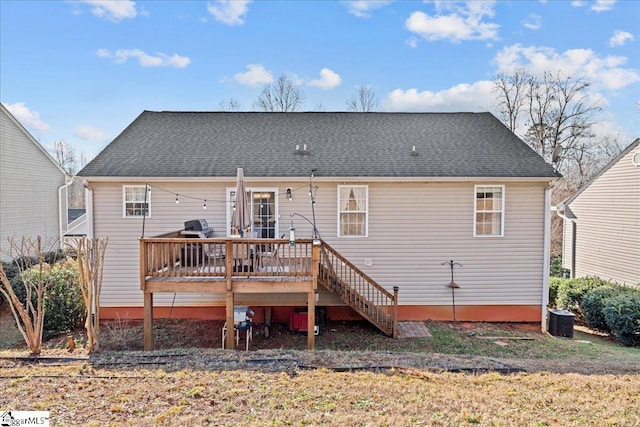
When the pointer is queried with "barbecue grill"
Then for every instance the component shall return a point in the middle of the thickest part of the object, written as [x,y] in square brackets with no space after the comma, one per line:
[194,253]
[197,228]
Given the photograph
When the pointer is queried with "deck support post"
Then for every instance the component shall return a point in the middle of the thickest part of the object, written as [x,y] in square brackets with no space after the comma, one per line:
[230,342]
[395,312]
[313,294]
[311,320]
[148,321]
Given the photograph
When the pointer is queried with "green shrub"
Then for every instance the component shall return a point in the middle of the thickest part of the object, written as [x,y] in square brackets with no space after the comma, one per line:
[556,269]
[571,292]
[593,304]
[554,285]
[622,314]
[64,306]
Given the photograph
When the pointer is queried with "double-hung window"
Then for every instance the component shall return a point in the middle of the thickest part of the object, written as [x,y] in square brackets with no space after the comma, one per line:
[489,211]
[353,210]
[136,201]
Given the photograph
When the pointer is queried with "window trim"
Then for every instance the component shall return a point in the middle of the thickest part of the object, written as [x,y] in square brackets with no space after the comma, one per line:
[252,190]
[501,211]
[366,211]
[125,201]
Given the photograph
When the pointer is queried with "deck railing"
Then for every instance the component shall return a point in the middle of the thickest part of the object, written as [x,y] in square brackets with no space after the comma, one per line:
[205,260]
[358,290]
[188,257]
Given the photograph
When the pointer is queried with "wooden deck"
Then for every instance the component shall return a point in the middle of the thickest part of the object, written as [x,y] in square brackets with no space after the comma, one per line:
[241,267]
[257,266]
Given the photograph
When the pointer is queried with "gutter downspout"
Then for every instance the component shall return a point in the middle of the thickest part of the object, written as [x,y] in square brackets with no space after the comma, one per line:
[572,263]
[547,256]
[88,197]
[63,206]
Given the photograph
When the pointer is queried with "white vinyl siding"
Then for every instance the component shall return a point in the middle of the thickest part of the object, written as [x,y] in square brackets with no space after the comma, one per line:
[489,211]
[413,228]
[607,241]
[29,183]
[353,210]
[136,201]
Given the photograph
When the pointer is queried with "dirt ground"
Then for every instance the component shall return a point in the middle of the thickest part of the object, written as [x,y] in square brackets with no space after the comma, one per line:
[455,346]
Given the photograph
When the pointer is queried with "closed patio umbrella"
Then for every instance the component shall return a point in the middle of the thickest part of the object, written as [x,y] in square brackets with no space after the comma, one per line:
[241,218]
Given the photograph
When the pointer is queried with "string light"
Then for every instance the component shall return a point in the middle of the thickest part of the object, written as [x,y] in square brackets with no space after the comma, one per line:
[288,194]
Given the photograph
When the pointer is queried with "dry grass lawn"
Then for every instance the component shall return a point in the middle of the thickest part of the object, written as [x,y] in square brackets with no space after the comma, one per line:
[357,377]
[80,395]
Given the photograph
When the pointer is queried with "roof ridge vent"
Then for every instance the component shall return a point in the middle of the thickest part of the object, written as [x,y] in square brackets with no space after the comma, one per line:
[302,151]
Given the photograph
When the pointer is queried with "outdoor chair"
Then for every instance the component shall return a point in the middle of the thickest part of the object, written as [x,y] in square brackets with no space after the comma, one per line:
[242,321]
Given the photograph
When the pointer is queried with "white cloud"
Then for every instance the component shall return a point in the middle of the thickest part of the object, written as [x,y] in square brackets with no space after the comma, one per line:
[256,75]
[463,97]
[90,133]
[363,8]
[533,22]
[455,21]
[577,3]
[605,72]
[28,118]
[328,80]
[121,56]
[412,42]
[112,10]
[619,38]
[230,12]
[603,5]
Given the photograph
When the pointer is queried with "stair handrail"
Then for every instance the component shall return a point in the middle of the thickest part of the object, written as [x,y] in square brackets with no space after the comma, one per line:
[325,262]
[326,246]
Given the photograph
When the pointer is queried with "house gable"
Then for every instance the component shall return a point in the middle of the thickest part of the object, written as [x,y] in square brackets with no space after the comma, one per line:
[29,182]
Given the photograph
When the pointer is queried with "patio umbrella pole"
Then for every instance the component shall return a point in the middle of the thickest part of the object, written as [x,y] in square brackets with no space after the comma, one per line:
[453,285]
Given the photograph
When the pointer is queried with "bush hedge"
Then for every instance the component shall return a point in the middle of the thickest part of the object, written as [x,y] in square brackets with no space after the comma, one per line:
[602,305]
[568,293]
[622,314]
[593,304]
[64,306]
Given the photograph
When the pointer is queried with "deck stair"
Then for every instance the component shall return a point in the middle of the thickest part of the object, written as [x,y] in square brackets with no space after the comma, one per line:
[359,291]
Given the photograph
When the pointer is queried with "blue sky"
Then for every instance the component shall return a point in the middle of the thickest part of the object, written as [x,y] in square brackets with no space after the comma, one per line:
[81,71]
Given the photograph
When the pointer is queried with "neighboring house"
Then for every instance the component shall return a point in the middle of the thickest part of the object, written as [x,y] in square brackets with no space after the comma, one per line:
[32,187]
[602,222]
[396,194]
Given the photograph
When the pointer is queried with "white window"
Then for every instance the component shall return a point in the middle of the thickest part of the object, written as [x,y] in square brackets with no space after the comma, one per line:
[136,201]
[353,210]
[489,211]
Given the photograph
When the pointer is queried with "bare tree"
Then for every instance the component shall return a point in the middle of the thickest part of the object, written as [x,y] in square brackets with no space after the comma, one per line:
[231,104]
[364,100]
[510,91]
[29,257]
[90,254]
[555,115]
[280,96]
[65,156]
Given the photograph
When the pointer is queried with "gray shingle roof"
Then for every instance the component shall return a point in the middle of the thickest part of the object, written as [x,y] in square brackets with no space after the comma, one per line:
[341,144]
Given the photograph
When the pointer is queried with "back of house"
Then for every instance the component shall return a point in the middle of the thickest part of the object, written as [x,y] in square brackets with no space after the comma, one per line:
[398,195]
